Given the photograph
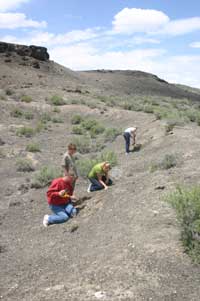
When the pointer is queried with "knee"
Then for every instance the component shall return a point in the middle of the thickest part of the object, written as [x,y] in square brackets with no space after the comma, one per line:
[64,217]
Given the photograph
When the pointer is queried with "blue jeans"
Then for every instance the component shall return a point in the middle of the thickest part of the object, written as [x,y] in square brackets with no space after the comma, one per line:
[127,138]
[96,185]
[61,213]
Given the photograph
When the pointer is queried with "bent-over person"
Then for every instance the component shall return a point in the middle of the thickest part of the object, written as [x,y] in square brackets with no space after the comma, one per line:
[99,177]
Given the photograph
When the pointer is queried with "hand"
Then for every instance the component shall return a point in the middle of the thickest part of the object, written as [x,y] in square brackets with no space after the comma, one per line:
[73,198]
[106,187]
[62,193]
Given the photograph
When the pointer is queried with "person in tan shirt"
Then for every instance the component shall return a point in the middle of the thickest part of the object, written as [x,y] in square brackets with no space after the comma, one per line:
[68,161]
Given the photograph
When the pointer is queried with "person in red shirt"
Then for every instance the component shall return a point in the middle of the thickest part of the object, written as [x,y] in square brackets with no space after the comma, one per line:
[60,197]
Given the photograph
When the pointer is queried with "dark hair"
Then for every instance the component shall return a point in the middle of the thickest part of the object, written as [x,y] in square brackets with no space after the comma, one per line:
[72,146]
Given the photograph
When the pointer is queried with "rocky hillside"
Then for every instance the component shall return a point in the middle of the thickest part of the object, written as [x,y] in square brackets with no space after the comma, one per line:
[135,82]
[36,70]
[125,242]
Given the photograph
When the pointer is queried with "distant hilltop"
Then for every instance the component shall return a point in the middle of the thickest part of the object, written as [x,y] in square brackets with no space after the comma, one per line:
[37,52]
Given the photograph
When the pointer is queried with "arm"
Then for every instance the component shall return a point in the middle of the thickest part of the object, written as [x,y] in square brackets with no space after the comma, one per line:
[66,164]
[100,181]
[133,137]
[107,177]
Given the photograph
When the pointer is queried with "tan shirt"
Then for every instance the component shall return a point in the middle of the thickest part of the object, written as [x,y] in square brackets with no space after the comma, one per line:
[68,162]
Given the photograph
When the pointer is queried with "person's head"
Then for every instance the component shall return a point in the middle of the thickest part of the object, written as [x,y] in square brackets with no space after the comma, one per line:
[71,148]
[106,166]
[69,177]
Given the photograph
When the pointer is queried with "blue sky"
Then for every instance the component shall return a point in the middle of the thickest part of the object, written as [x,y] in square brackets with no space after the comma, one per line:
[157,36]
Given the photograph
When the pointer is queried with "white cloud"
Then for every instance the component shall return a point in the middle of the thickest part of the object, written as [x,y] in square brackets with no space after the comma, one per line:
[182,69]
[85,57]
[175,69]
[143,40]
[182,26]
[49,39]
[17,20]
[6,5]
[195,45]
[130,20]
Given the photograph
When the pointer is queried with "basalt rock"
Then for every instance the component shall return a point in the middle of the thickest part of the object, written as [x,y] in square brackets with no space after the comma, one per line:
[37,52]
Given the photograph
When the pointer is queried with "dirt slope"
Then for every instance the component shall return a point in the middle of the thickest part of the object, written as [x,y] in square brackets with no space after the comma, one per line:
[124,244]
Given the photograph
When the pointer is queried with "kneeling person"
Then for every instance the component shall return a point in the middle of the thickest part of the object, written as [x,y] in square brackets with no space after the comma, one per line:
[60,197]
[99,177]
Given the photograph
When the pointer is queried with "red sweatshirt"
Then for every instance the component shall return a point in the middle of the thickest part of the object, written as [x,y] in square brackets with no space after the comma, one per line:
[56,186]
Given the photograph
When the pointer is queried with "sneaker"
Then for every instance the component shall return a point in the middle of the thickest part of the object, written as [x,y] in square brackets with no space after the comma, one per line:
[88,190]
[45,220]
[127,154]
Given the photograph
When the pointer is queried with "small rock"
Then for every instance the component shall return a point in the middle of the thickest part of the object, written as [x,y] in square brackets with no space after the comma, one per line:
[100,295]
[160,187]
[1,142]
[55,287]
[74,228]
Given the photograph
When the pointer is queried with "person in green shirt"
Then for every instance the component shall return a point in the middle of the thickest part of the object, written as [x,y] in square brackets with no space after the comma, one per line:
[99,177]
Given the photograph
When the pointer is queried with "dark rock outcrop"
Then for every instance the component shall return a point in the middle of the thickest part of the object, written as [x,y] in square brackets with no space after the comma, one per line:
[36,52]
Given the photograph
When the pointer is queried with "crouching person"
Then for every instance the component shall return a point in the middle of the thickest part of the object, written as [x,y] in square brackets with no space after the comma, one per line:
[99,177]
[60,197]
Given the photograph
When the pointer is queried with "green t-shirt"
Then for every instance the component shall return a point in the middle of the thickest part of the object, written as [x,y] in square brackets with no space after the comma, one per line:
[97,169]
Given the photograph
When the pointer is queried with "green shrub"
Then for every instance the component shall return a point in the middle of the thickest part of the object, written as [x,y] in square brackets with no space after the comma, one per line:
[56,110]
[24,165]
[25,131]
[26,98]
[28,115]
[9,91]
[40,126]
[109,156]
[175,117]
[77,119]
[44,176]
[110,134]
[57,100]
[97,145]
[88,124]
[85,165]
[45,117]
[160,113]
[191,114]
[83,144]
[57,120]
[78,130]
[93,127]
[75,101]
[169,127]
[33,147]
[186,202]
[2,154]
[96,130]
[3,97]
[127,106]
[17,113]
[168,161]
[153,167]
[148,108]
[198,118]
